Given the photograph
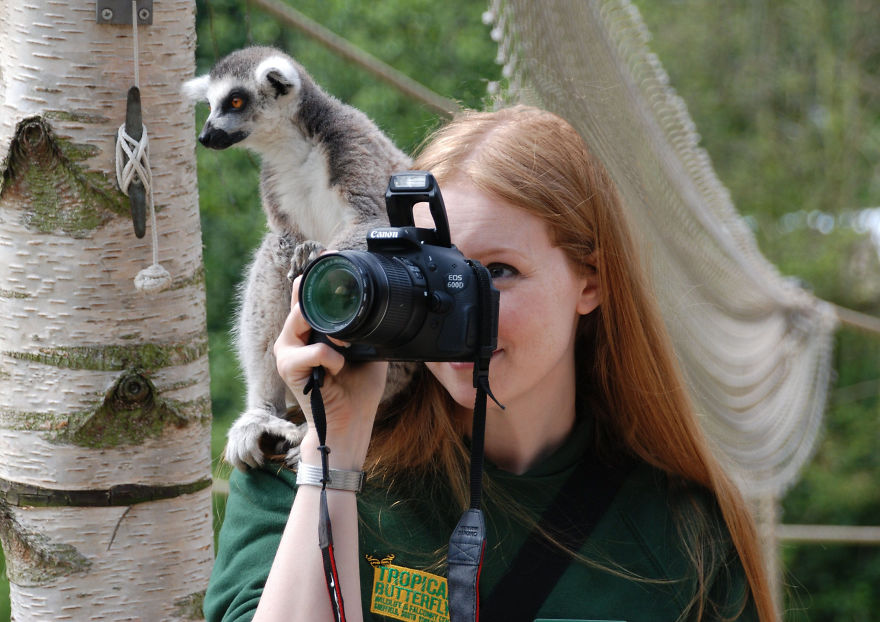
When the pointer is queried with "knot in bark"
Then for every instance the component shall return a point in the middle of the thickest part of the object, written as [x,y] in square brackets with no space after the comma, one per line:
[133,389]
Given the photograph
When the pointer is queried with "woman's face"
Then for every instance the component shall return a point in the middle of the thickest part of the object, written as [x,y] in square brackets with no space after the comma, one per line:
[542,298]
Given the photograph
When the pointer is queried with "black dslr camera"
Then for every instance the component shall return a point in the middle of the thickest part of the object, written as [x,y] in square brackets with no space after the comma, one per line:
[411,296]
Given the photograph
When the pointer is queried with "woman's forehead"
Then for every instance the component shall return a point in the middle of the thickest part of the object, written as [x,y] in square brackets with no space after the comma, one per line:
[484,221]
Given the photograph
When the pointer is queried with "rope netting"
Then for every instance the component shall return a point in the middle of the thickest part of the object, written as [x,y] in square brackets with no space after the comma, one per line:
[755,347]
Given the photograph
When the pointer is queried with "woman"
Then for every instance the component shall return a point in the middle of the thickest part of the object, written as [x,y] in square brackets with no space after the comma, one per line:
[597,420]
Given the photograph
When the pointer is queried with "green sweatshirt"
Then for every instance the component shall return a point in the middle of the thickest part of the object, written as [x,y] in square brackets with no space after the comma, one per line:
[636,569]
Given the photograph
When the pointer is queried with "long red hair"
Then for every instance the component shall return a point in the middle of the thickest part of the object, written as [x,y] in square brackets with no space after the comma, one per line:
[536,161]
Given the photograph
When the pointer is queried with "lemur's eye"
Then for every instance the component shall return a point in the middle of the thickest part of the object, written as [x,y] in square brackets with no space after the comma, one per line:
[236,102]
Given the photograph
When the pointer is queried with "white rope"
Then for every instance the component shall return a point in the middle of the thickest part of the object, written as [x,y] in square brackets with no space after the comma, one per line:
[133,164]
[132,160]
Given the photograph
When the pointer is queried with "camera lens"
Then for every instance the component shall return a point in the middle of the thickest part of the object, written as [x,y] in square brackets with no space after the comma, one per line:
[334,298]
[362,296]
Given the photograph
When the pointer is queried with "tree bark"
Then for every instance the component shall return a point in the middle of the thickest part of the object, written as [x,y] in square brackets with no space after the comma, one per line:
[105,499]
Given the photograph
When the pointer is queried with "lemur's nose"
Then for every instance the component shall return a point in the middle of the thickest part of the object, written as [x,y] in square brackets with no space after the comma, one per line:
[205,137]
[213,138]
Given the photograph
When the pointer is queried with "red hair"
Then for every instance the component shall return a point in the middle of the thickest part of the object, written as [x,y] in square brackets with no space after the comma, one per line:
[536,161]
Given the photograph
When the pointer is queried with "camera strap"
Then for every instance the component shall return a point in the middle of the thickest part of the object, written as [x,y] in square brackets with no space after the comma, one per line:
[464,560]
[325,530]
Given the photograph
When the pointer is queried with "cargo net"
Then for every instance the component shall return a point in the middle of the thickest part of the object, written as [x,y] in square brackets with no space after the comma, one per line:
[755,347]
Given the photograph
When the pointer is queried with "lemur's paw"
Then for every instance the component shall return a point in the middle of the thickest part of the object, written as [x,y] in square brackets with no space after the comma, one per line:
[248,435]
[291,458]
[303,254]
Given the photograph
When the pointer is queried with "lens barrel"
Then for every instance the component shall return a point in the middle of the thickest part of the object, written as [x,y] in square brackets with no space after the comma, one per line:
[365,297]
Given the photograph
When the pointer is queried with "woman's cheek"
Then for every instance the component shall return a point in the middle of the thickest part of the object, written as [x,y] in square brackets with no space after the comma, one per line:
[509,317]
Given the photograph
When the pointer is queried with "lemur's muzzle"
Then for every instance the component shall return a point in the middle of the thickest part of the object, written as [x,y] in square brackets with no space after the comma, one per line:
[214,138]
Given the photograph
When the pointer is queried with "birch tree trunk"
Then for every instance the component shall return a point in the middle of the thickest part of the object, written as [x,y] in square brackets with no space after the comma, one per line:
[105,500]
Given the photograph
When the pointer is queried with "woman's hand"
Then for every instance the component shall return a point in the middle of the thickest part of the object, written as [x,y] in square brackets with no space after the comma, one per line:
[351,391]
[295,588]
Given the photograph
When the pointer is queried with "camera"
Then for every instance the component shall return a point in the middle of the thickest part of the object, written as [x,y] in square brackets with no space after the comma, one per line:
[412,295]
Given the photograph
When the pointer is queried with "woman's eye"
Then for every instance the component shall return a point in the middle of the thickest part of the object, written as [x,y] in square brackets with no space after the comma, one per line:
[501,270]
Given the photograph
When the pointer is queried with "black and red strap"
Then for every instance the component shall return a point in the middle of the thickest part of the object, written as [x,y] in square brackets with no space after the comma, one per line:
[325,529]
[467,545]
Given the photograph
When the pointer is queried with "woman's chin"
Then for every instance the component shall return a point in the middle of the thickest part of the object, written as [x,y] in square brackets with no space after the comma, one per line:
[458,379]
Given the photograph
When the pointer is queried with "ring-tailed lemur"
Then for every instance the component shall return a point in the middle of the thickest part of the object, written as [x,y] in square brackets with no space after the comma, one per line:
[324,170]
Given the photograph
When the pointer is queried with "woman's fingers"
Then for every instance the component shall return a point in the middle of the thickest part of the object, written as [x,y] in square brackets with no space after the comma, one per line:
[295,363]
[295,332]
[294,355]
[294,292]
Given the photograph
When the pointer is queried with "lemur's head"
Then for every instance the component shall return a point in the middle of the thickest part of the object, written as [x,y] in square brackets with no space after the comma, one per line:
[245,89]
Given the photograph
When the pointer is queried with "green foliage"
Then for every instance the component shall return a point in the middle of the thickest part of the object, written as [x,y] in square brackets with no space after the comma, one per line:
[839,487]
[784,95]
[817,574]
[227,391]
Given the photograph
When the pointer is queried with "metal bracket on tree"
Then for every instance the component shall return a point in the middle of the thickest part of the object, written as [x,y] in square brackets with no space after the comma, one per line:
[119,12]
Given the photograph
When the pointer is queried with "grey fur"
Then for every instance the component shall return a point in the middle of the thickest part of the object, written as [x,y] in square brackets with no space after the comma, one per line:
[325,167]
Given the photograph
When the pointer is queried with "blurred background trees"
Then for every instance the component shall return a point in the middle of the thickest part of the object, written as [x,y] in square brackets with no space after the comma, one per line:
[785,95]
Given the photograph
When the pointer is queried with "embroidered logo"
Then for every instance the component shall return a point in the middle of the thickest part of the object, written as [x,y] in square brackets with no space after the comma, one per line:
[375,562]
[407,594]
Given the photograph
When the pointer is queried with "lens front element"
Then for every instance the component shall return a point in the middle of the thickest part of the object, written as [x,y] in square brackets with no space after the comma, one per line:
[332,295]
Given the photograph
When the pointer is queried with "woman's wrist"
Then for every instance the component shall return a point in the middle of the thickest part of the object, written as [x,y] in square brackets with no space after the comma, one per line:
[342,456]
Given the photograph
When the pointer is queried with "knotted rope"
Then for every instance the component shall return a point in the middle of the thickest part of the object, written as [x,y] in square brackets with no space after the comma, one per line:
[133,164]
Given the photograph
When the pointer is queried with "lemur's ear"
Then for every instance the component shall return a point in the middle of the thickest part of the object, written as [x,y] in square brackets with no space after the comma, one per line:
[278,74]
[196,90]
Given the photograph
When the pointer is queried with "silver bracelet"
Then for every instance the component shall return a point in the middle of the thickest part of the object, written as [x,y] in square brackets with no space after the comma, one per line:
[310,475]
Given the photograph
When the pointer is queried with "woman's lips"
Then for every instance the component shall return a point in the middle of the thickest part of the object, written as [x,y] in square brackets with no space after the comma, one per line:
[467,365]
[461,365]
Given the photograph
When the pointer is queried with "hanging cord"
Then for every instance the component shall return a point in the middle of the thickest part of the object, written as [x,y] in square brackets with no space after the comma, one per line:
[133,170]
[325,530]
